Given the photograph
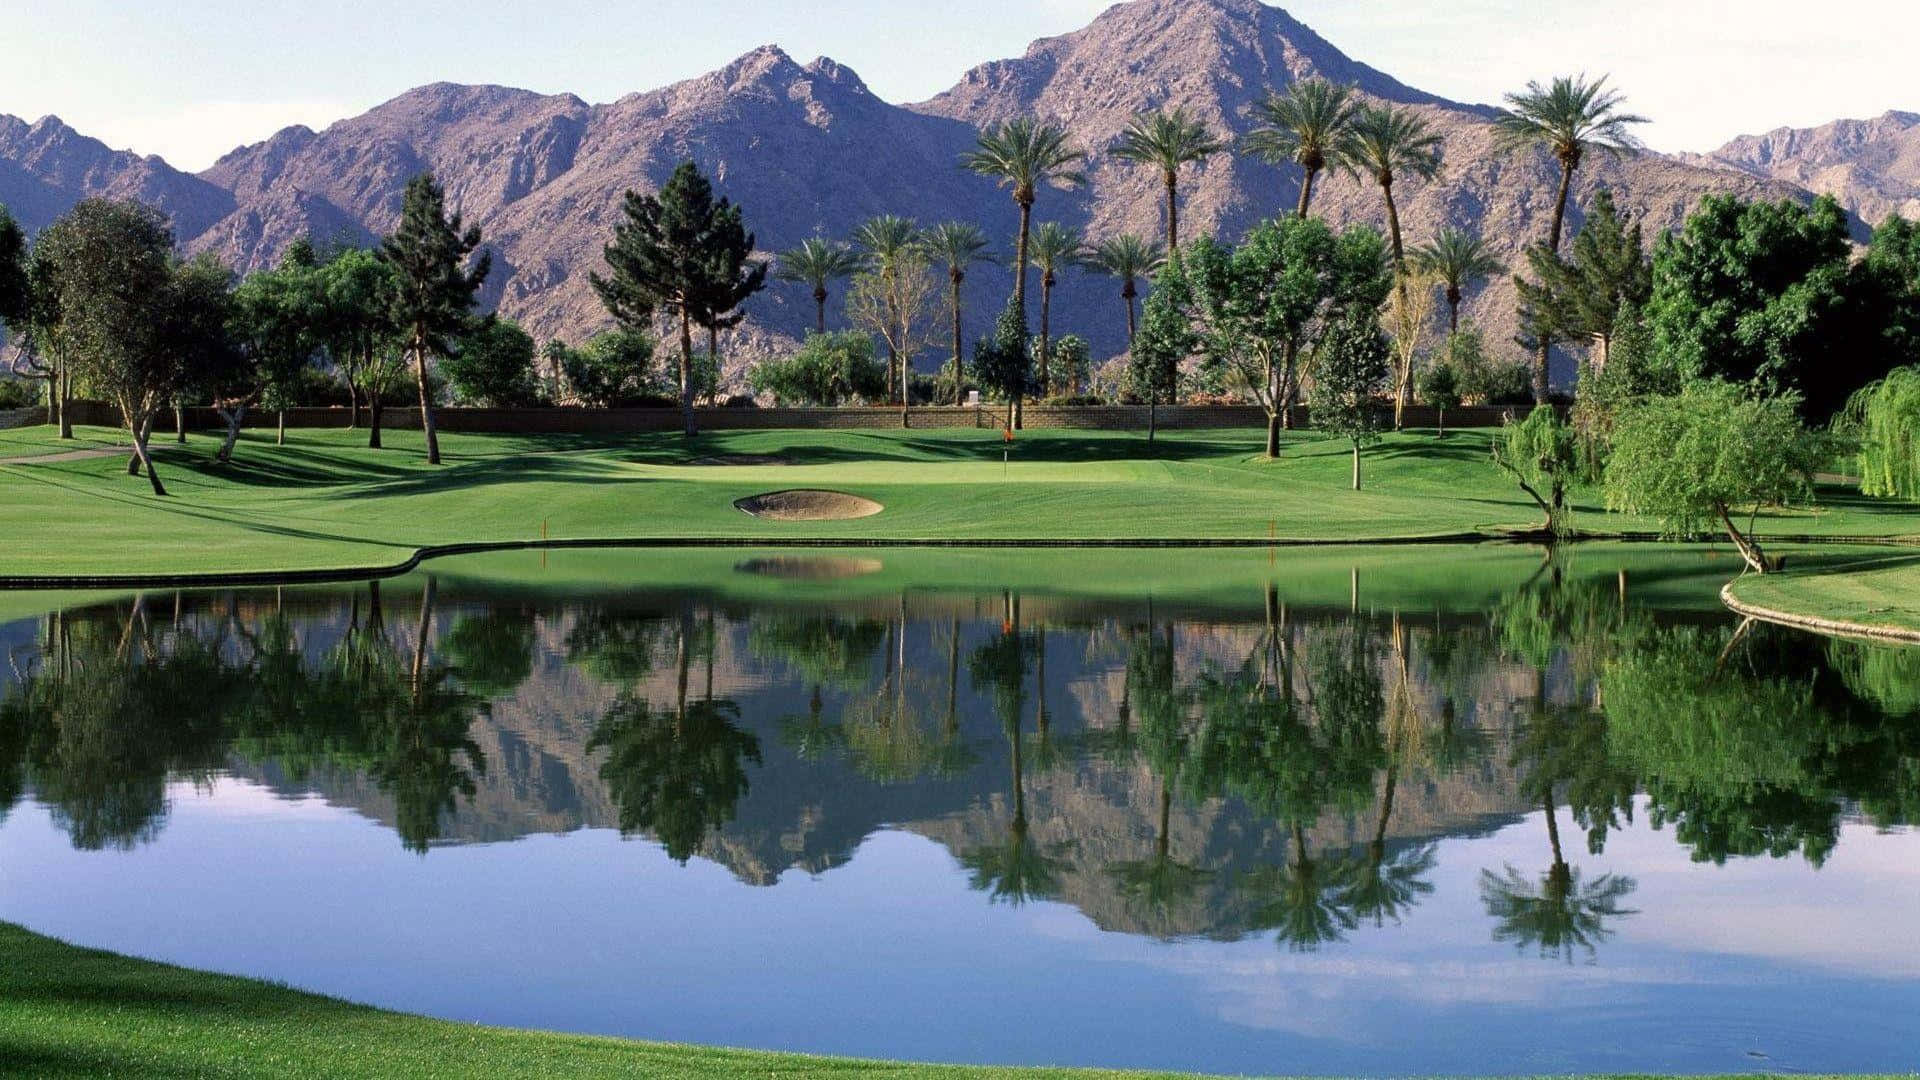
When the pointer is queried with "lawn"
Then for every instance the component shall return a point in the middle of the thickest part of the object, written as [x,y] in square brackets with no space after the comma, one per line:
[325,502]
[1866,591]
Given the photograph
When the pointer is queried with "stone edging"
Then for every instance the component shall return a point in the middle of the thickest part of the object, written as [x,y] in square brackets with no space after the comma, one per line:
[1837,627]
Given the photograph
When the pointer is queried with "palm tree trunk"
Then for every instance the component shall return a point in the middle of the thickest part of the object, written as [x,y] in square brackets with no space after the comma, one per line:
[1173,213]
[820,309]
[956,278]
[1453,310]
[1544,354]
[1306,192]
[686,373]
[1046,334]
[1020,258]
[373,421]
[1127,294]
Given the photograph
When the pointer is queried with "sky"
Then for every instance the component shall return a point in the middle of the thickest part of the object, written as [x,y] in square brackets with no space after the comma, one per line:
[192,79]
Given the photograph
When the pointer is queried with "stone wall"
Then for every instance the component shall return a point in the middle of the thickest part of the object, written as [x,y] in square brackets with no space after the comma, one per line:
[577,420]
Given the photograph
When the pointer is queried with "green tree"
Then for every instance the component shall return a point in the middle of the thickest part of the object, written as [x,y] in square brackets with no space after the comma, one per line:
[1283,286]
[1003,364]
[1054,248]
[15,297]
[280,316]
[682,252]
[1440,389]
[1350,368]
[1580,297]
[124,310]
[612,369]
[1568,119]
[492,364]
[956,245]
[1750,291]
[358,330]
[1165,341]
[827,369]
[1541,456]
[1024,155]
[1166,140]
[1309,126]
[1020,869]
[1072,358]
[1715,448]
[431,291]
[816,263]
[1458,260]
[1128,258]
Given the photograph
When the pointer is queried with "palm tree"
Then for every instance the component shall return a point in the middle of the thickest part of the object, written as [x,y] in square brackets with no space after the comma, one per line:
[1458,259]
[956,245]
[1128,258]
[1387,142]
[887,240]
[1023,154]
[816,262]
[1567,118]
[1168,140]
[1307,126]
[1054,247]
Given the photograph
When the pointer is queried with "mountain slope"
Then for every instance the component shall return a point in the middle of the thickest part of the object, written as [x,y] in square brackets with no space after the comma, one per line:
[1871,166]
[808,148]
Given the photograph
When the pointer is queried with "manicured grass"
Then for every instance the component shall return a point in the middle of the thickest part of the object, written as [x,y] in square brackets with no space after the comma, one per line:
[1875,590]
[72,1012]
[324,501]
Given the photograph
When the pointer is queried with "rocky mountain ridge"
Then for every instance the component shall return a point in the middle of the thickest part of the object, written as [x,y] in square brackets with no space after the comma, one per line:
[808,148]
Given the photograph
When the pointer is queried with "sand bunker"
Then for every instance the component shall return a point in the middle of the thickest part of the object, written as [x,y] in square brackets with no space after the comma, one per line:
[808,505]
[803,568]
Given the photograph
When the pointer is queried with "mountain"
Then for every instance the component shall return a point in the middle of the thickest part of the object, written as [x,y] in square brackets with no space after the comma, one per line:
[1871,166]
[809,148]
[46,167]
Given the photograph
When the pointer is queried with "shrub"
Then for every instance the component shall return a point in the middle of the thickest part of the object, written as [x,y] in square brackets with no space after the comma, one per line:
[492,364]
[612,370]
[828,369]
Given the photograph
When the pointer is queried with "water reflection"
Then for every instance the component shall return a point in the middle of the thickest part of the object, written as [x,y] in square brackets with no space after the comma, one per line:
[1277,770]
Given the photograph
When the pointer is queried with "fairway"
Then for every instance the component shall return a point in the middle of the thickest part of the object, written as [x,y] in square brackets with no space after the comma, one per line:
[325,502]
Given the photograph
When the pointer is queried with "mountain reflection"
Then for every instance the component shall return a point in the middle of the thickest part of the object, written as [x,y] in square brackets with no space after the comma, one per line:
[1209,770]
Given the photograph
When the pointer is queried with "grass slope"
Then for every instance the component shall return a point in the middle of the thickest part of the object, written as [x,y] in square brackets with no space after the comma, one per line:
[1864,590]
[73,1012]
[324,501]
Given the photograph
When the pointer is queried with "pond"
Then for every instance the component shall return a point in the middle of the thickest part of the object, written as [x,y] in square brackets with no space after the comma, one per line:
[1358,811]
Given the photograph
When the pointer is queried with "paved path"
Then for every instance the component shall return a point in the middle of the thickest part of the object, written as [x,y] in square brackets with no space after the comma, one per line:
[67,455]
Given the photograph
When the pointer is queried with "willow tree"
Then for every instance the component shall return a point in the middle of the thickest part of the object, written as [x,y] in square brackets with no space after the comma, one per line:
[1308,126]
[1567,118]
[430,294]
[1167,140]
[1884,416]
[1694,459]
[1025,155]
[817,262]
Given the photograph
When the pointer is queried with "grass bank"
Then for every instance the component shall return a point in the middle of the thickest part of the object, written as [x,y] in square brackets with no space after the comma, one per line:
[73,1012]
[326,502]
[1868,593]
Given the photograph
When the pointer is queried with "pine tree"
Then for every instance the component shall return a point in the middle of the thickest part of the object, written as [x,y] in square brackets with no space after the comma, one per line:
[431,293]
[685,253]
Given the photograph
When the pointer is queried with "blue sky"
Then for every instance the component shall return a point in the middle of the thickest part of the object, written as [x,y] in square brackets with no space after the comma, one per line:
[190,79]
